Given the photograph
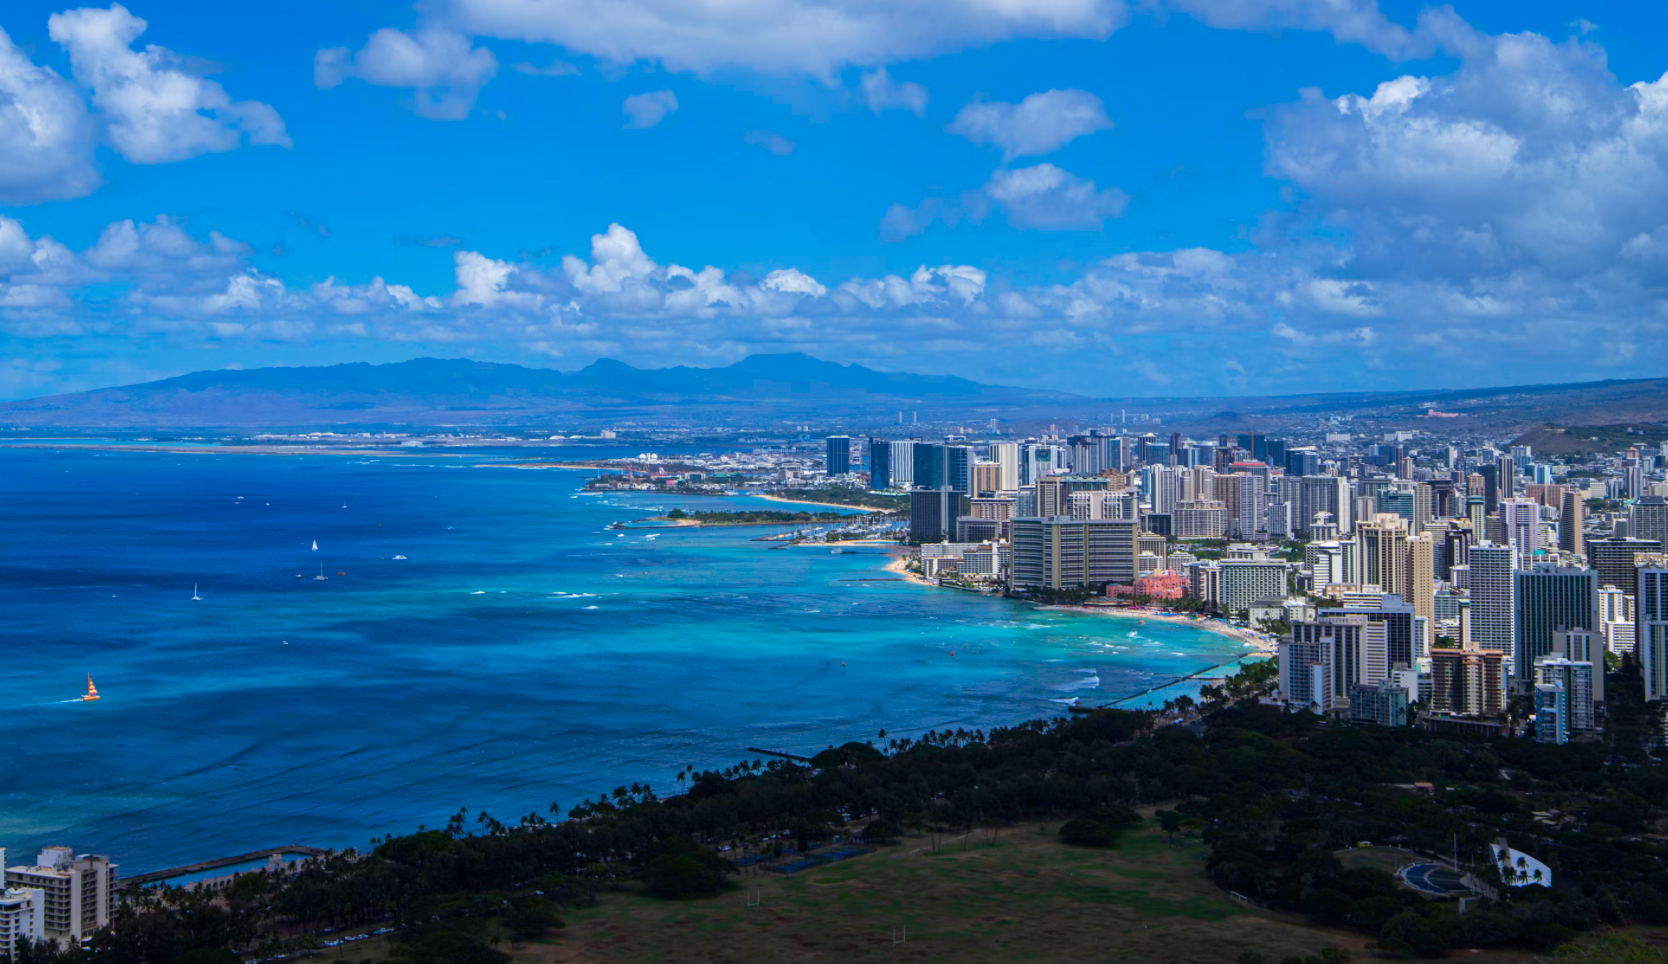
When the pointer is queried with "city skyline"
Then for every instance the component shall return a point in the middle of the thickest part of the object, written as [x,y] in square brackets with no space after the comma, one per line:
[1320,198]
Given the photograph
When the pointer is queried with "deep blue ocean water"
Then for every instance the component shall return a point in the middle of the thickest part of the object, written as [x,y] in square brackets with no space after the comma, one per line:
[519,655]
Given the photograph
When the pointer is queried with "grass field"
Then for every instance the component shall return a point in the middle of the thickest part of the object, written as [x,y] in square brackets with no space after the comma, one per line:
[1023,898]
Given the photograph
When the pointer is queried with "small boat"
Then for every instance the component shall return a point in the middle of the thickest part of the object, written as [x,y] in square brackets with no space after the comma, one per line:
[194,596]
[92,691]
[835,551]
[315,545]
[321,574]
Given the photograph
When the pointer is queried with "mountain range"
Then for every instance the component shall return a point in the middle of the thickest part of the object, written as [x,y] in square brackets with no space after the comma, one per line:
[760,391]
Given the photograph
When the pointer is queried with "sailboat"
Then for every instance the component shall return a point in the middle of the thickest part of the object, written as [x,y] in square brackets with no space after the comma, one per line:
[92,691]
[194,596]
[321,574]
[315,545]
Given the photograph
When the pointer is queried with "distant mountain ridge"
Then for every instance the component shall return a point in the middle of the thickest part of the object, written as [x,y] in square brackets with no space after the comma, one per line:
[436,391]
[759,391]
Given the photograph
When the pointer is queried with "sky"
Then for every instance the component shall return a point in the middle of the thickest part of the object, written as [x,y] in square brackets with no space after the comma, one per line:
[1110,197]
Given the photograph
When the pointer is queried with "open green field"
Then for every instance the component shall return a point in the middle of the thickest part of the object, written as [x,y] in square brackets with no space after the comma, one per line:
[1021,897]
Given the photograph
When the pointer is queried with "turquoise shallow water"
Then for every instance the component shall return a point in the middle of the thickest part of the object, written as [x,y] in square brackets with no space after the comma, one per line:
[520,654]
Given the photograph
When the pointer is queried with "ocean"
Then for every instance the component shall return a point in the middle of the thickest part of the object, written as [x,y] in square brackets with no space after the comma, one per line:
[518,655]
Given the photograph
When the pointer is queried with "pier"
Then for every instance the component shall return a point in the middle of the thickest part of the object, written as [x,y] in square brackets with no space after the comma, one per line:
[140,880]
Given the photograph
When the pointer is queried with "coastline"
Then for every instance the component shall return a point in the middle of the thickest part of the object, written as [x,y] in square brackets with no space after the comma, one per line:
[1246,636]
[825,505]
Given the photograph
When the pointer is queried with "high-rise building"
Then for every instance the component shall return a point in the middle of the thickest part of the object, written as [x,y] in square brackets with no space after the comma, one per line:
[1382,550]
[1054,492]
[1302,462]
[1200,520]
[1583,646]
[78,893]
[1651,645]
[1248,581]
[1572,516]
[1324,658]
[1647,518]
[1549,598]
[1324,493]
[22,916]
[839,455]
[933,513]
[1401,633]
[1061,553]
[1566,686]
[1419,588]
[1468,682]
[880,464]
[987,478]
[1522,521]
[1491,586]
[931,466]
[1616,561]
[1006,456]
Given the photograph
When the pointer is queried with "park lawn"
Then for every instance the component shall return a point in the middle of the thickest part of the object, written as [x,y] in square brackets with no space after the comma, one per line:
[1022,897]
[1387,859]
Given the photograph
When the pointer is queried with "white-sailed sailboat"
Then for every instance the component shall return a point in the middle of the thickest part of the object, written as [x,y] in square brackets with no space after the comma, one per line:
[194,596]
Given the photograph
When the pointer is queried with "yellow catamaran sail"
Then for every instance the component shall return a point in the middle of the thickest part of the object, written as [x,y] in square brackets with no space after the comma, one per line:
[92,691]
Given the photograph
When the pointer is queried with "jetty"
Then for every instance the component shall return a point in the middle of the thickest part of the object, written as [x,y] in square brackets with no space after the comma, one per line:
[140,880]
[785,756]
[1200,675]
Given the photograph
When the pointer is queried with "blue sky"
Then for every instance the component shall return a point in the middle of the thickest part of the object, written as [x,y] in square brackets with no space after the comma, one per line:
[1148,198]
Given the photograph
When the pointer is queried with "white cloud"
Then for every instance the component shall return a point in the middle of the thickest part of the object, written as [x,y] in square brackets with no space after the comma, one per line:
[647,110]
[1349,21]
[46,137]
[793,281]
[442,69]
[1050,199]
[1531,156]
[881,92]
[1040,124]
[154,111]
[813,37]
[772,142]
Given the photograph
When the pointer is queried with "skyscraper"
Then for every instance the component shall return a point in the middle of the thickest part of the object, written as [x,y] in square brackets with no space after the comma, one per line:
[1572,516]
[1382,550]
[880,464]
[1549,598]
[1522,521]
[839,455]
[933,513]
[1614,559]
[1651,644]
[1006,456]
[1492,610]
[1647,518]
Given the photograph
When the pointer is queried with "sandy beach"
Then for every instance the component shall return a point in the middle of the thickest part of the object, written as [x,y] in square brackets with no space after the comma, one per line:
[1246,636]
[899,566]
[825,505]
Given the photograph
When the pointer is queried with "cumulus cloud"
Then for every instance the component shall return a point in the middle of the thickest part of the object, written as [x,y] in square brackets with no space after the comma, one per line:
[443,70]
[1050,199]
[1531,156]
[1040,124]
[46,136]
[646,110]
[155,111]
[1350,21]
[881,92]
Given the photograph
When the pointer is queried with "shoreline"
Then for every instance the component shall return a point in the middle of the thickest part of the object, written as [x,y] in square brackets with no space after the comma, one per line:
[899,562]
[826,505]
[1246,636]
